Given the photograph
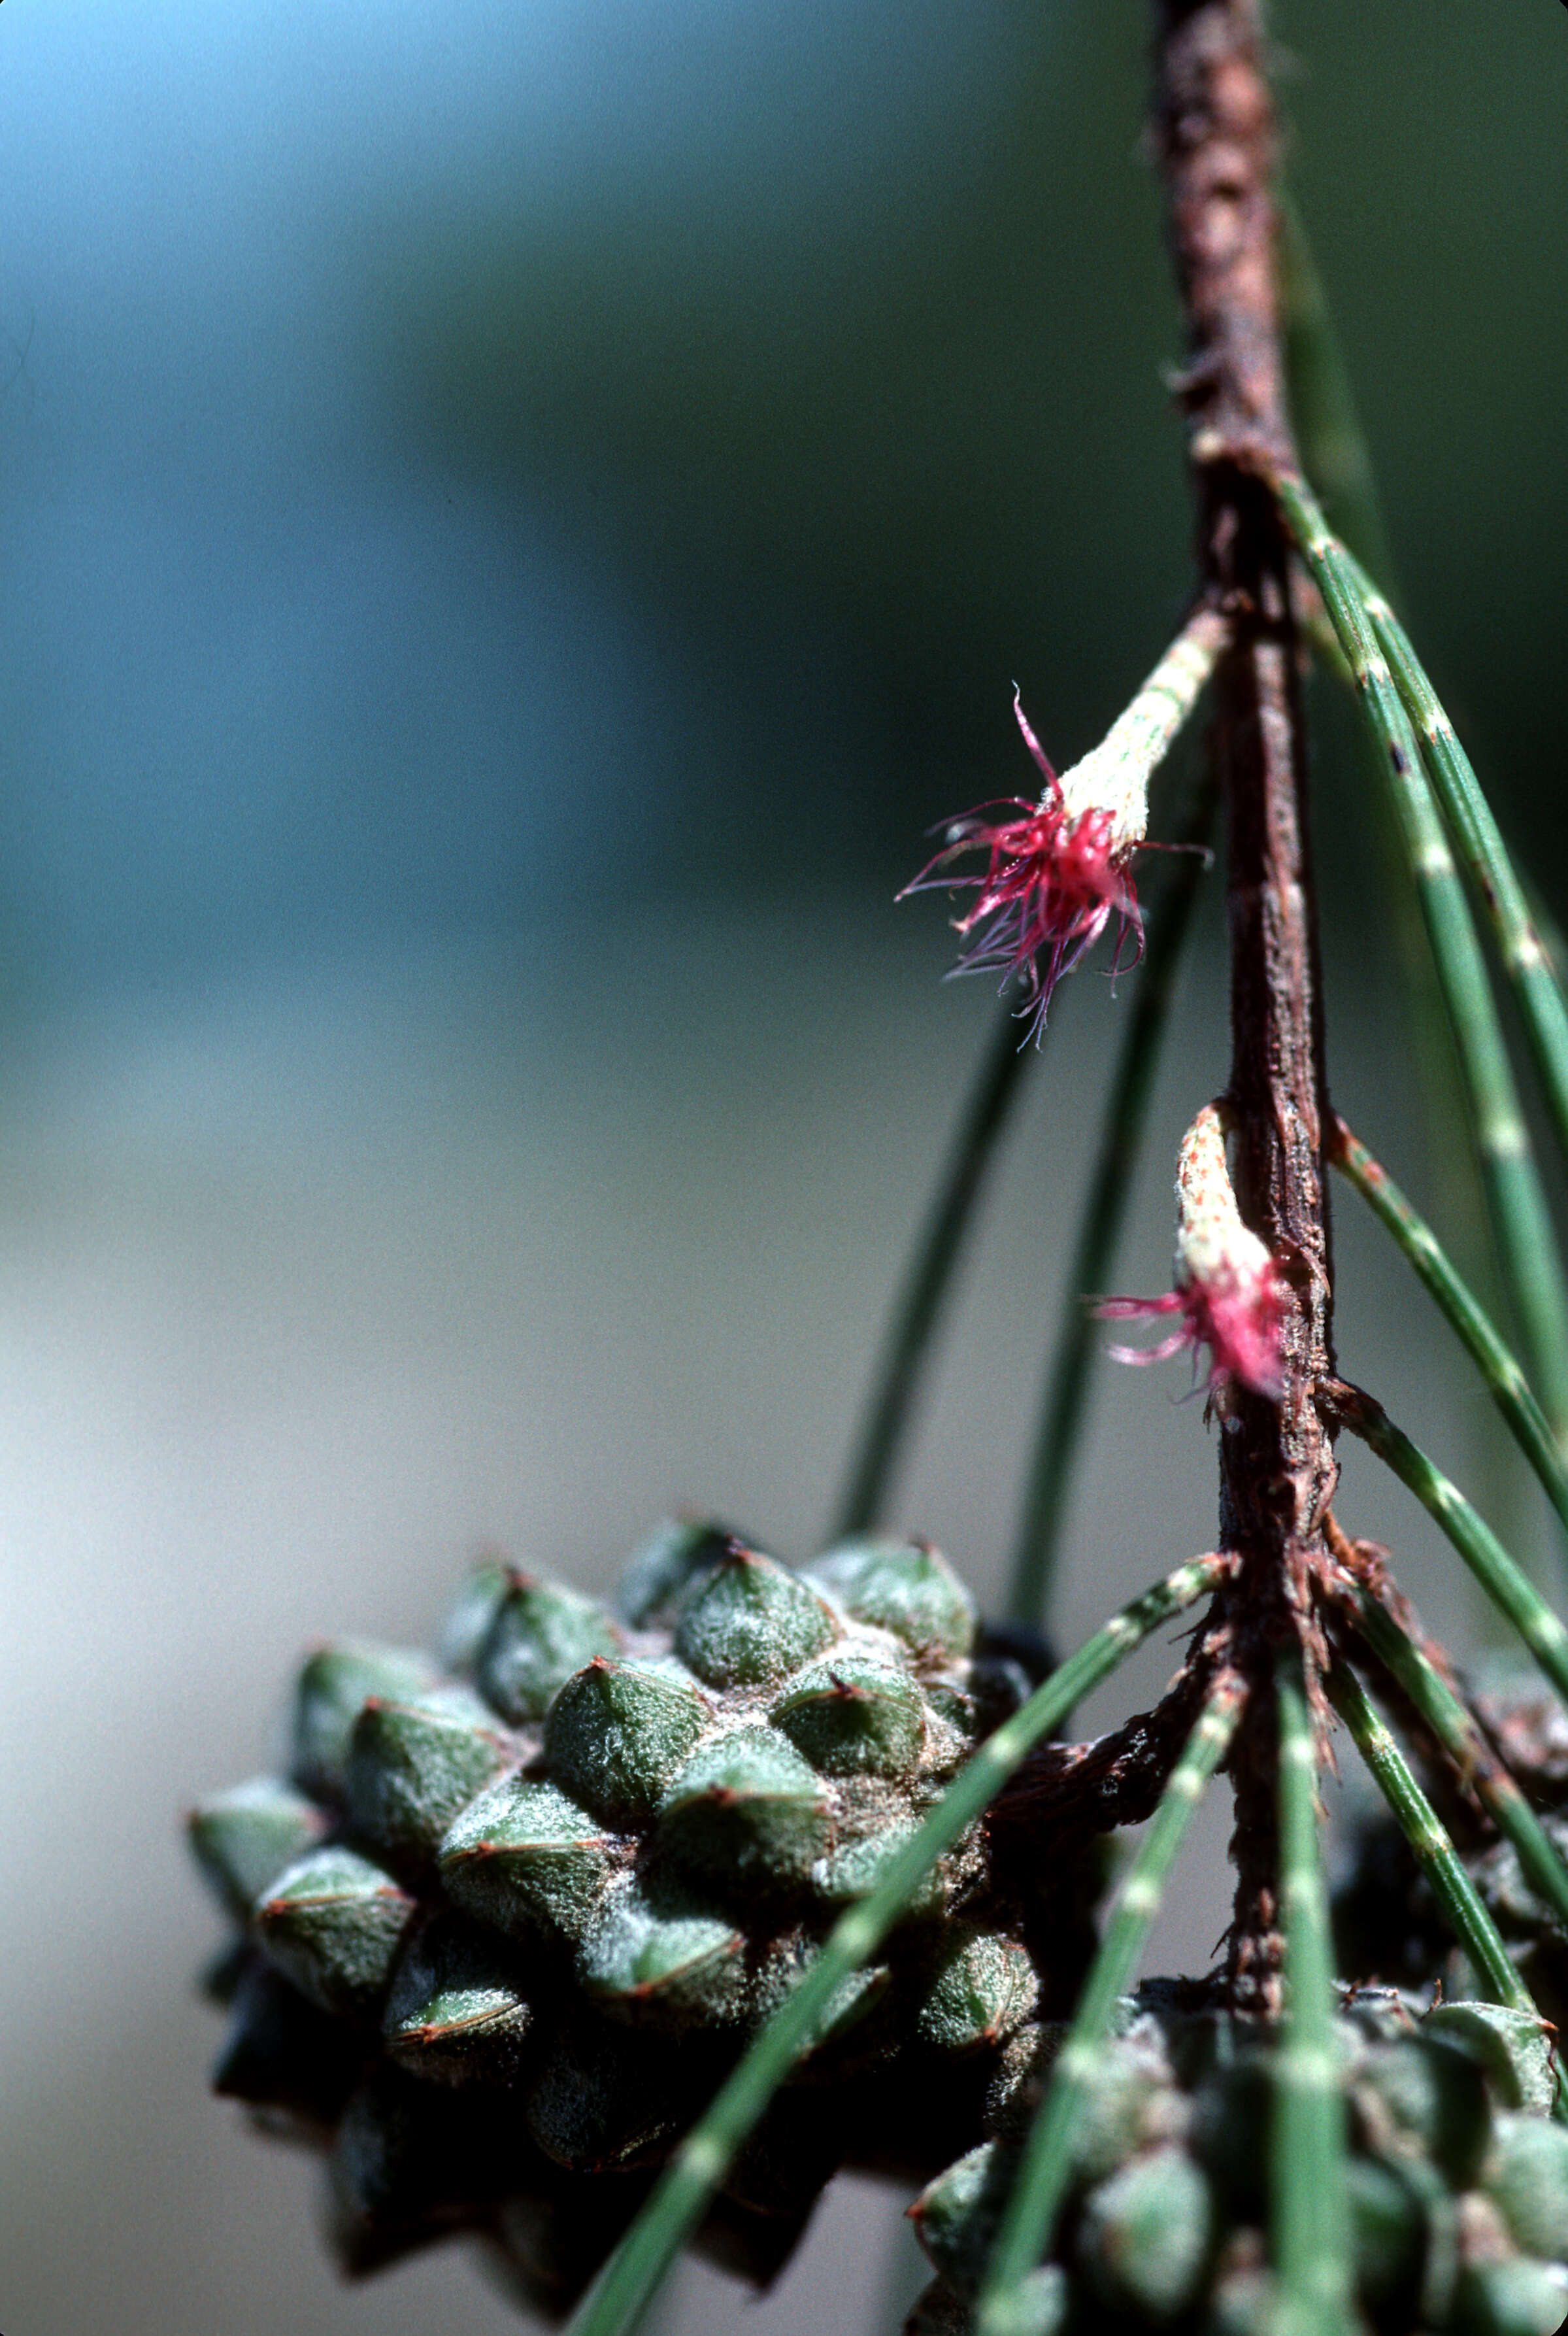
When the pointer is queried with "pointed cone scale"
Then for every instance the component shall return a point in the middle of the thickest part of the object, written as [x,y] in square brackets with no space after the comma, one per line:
[243,1839]
[1519,2298]
[618,1734]
[1526,2178]
[456,2011]
[855,2028]
[983,1989]
[1232,2119]
[957,2216]
[469,1617]
[659,1574]
[540,1634]
[332,1924]
[904,1587]
[855,1718]
[747,1814]
[751,1623]
[790,2154]
[668,1971]
[528,1860]
[283,2053]
[553,2237]
[1146,2235]
[411,2162]
[1127,2101]
[332,1687]
[1432,2094]
[1513,2047]
[853,1870]
[413,1766]
[1387,2231]
[608,2102]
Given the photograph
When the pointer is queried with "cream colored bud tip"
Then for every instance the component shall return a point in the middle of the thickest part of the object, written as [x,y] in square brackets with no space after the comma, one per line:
[1229,1290]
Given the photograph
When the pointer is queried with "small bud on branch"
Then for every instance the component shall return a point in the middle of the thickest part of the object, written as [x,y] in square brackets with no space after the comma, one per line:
[1228,1289]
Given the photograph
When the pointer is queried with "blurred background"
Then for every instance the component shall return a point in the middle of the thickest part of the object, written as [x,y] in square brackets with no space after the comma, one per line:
[514,522]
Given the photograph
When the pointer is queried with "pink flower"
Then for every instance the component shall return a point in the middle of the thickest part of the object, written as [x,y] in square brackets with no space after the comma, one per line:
[1055,877]
[1229,1290]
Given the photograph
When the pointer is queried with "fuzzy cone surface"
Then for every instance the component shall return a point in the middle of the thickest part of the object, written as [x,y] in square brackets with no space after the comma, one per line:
[511,1912]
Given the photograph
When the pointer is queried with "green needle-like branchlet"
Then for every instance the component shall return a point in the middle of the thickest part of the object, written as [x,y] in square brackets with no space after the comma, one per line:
[1435,1853]
[1459,1734]
[1506,1380]
[1521,1225]
[1105,1206]
[1308,2214]
[629,2280]
[928,1279]
[1504,1581]
[1526,959]
[1047,2164]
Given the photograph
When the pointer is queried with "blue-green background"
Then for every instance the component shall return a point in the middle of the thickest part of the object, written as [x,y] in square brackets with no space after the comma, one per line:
[513,521]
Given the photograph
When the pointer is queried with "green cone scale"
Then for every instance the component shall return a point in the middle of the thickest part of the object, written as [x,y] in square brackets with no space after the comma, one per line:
[1458,2202]
[511,1914]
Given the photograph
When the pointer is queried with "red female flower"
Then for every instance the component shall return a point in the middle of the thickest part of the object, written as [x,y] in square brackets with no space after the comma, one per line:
[1056,875]
[1229,1290]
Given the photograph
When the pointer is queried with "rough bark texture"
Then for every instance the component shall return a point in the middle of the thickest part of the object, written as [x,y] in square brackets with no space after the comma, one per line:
[1215,134]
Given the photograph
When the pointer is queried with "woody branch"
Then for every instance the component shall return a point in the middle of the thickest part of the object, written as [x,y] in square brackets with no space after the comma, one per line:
[1215,138]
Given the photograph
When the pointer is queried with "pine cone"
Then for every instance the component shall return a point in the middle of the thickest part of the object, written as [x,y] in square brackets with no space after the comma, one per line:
[1457,2179]
[510,1916]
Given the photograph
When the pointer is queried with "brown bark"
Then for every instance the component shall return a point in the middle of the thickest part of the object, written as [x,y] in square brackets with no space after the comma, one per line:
[1216,136]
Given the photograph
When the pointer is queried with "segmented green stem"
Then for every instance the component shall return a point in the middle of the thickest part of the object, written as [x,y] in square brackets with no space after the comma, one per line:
[1308,2212]
[1099,1227]
[1521,1225]
[1025,2234]
[1452,1887]
[1505,1378]
[1460,1737]
[1525,959]
[619,2297]
[1336,458]
[906,1348]
[1503,1580]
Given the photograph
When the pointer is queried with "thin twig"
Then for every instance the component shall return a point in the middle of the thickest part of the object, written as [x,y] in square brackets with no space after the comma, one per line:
[911,1333]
